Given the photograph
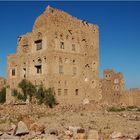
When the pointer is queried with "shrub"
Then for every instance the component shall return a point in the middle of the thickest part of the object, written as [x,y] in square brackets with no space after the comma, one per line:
[49,98]
[18,95]
[28,89]
[46,96]
[3,95]
[42,95]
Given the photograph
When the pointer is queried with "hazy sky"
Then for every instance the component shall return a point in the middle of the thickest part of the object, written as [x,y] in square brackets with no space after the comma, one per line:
[119,25]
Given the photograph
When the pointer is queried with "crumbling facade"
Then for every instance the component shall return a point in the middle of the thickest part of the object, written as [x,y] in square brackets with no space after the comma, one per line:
[112,86]
[2,83]
[61,52]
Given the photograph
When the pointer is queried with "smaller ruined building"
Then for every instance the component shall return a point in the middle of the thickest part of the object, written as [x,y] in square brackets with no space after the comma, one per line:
[112,86]
[2,82]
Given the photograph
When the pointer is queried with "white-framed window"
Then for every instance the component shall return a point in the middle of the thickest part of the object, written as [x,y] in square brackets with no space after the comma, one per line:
[38,44]
[116,81]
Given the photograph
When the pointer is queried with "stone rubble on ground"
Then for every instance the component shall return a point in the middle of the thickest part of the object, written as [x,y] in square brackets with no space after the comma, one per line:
[39,132]
[85,125]
[1,133]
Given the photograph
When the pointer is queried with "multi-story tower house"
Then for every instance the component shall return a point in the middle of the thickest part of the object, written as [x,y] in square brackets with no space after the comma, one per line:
[112,85]
[61,52]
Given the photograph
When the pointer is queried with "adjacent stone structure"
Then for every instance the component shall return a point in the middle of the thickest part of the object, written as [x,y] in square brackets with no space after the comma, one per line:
[61,52]
[130,97]
[112,86]
[2,82]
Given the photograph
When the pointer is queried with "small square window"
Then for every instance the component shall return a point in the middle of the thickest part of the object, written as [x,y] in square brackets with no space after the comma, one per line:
[61,45]
[60,60]
[59,92]
[65,91]
[76,92]
[73,47]
[38,44]
[73,61]
[38,69]
[74,70]
[13,72]
[60,69]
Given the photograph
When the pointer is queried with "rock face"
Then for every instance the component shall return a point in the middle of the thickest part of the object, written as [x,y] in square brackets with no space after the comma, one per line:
[22,129]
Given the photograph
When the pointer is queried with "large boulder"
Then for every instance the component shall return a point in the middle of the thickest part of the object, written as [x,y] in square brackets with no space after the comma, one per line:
[116,135]
[22,129]
[93,134]
[53,131]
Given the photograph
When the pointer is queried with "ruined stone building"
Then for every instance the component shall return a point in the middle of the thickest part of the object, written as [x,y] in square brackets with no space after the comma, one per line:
[2,83]
[130,97]
[61,52]
[112,86]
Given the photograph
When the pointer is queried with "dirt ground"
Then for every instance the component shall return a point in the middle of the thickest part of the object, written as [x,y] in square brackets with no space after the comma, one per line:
[91,116]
